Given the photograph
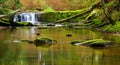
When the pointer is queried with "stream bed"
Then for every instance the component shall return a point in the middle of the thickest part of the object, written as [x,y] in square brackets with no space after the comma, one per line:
[15,52]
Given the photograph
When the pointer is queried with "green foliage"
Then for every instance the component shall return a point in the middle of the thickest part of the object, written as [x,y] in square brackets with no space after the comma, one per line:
[95,13]
[21,24]
[116,15]
[2,1]
[58,15]
[8,5]
[113,28]
[2,23]
[96,23]
[49,9]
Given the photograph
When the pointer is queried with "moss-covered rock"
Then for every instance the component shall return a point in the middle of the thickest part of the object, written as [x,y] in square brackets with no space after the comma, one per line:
[93,43]
[43,41]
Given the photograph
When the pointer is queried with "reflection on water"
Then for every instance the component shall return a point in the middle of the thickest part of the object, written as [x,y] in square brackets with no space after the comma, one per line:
[61,53]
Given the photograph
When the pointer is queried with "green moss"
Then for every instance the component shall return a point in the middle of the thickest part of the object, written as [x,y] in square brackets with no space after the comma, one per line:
[2,23]
[22,24]
[49,9]
[58,15]
[112,28]
[44,41]
[116,15]
[93,43]
[75,42]
[95,13]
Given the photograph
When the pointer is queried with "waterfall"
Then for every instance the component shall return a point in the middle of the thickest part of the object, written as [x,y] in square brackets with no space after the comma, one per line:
[27,17]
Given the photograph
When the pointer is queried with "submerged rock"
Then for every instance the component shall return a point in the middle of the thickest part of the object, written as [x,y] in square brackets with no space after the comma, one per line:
[69,35]
[93,43]
[38,34]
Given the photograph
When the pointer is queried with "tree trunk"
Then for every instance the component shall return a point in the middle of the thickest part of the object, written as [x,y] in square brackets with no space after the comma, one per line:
[107,13]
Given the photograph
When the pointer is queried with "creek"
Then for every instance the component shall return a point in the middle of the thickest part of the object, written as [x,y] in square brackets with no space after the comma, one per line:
[15,52]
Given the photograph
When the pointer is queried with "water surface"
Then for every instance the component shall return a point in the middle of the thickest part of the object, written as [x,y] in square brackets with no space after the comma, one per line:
[15,52]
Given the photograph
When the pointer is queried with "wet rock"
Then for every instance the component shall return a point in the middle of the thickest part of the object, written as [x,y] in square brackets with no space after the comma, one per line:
[16,41]
[30,42]
[69,35]
[50,24]
[38,34]
[43,41]
[93,43]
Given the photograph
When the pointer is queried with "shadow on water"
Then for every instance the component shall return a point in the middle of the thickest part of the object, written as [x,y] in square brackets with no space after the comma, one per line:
[15,52]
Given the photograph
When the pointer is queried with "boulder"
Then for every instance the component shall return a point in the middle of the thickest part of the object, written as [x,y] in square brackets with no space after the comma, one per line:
[43,41]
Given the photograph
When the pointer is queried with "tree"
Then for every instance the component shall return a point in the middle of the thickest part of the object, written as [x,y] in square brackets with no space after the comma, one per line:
[7,6]
[106,12]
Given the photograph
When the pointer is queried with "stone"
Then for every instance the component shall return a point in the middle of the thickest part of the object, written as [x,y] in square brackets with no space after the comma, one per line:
[69,35]
[43,41]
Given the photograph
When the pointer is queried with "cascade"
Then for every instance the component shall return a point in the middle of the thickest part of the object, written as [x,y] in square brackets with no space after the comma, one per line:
[27,17]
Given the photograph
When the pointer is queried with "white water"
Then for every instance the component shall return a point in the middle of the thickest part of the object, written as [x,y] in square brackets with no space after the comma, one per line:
[26,17]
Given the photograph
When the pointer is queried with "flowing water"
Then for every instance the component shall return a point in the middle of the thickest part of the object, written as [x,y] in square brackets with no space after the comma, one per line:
[15,52]
[31,17]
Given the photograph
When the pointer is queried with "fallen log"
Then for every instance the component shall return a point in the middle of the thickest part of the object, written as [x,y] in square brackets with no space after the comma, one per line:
[97,4]
[2,16]
[74,16]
